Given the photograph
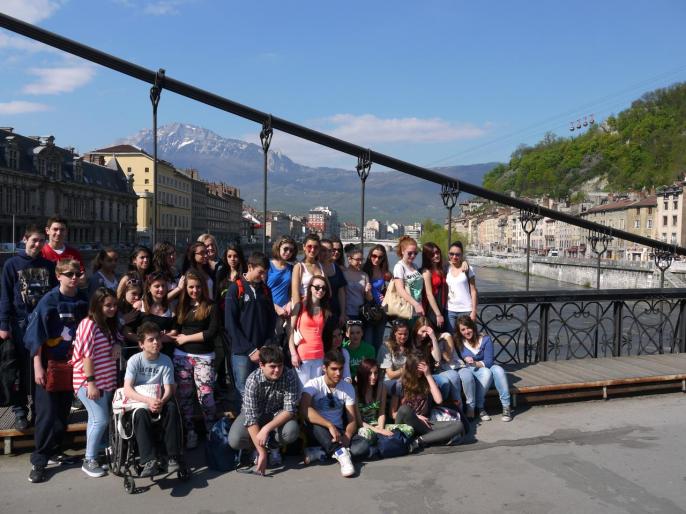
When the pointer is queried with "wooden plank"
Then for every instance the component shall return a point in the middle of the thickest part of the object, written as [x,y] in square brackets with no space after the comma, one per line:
[11,432]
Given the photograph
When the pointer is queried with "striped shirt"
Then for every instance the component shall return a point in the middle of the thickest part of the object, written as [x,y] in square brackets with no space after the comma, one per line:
[91,342]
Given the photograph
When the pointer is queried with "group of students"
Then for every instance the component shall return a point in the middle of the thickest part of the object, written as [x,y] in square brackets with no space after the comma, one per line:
[277,326]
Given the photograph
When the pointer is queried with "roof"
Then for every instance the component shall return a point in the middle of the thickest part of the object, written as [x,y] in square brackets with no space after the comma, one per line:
[650,201]
[121,149]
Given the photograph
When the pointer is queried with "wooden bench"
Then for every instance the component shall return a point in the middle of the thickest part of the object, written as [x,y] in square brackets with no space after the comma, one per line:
[12,438]
[588,378]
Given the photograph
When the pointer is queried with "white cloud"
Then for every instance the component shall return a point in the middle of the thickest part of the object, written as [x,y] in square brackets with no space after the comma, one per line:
[21,107]
[53,81]
[154,7]
[367,129]
[31,11]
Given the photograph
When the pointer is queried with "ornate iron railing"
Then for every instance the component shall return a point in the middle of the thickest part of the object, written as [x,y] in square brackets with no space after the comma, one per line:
[535,326]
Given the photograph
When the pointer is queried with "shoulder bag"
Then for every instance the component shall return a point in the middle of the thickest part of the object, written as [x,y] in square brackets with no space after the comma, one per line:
[395,305]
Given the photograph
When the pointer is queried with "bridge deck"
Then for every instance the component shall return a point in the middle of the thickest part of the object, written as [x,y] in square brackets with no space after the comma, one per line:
[579,378]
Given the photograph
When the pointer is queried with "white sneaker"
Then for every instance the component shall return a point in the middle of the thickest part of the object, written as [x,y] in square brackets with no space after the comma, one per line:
[342,455]
[191,440]
[314,454]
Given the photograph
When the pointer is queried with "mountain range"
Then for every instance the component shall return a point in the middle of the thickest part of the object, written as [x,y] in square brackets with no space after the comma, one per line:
[295,188]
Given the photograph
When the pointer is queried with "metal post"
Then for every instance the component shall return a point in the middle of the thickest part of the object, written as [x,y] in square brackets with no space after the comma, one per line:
[266,139]
[364,165]
[449,194]
[663,260]
[599,243]
[14,237]
[155,93]
[528,220]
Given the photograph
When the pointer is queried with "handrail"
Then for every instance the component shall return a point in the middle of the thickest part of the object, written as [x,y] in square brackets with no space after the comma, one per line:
[219,102]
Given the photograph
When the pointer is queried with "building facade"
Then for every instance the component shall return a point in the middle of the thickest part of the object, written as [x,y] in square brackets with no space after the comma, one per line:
[39,179]
[323,221]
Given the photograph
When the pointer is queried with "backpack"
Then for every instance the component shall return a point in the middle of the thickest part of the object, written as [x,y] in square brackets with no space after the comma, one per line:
[218,454]
[240,292]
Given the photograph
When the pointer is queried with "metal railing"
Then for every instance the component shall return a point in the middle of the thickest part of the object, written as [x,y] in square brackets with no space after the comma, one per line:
[534,326]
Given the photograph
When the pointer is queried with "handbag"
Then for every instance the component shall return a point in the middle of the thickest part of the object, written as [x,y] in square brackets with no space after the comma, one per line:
[442,413]
[395,305]
[297,335]
[122,404]
[59,377]
[395,445]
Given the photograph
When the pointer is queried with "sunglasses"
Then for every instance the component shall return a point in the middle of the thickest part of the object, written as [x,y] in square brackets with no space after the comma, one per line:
[332,400]
[354,323]
[72,274]
[411,253]
[287,249]
[376,256]
[312,247]
[133,282]
[318,288]
[399,323]
[455,254]
[201,253]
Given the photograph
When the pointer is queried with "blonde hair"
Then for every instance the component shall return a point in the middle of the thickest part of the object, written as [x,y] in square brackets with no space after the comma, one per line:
[66,265]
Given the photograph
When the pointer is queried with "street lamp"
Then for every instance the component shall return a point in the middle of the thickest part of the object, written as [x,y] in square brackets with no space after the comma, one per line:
[449,194]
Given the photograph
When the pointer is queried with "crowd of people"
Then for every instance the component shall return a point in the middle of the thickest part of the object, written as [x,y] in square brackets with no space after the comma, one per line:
[302,343]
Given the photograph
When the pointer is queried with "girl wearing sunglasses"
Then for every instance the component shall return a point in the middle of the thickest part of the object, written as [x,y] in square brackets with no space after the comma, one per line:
[408,281]
[461,282]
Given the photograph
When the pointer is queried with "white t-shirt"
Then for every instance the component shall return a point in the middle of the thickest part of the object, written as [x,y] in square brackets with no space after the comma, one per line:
[330,403]
[459,297]
[412,279]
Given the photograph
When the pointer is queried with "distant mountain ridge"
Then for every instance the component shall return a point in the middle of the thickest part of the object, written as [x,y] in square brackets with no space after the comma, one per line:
[295,188]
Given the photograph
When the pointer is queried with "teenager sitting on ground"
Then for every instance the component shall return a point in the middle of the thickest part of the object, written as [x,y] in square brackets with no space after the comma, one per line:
[415,394]
[270,402]
[328,405]
[150,367]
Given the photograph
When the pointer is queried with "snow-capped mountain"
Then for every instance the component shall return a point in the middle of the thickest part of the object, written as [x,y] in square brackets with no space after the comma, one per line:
[296,188]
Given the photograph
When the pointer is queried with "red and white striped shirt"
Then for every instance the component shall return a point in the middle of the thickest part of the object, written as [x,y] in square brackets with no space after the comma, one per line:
[92,343]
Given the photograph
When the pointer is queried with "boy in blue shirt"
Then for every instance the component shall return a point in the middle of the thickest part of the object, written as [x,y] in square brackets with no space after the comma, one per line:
[48,339]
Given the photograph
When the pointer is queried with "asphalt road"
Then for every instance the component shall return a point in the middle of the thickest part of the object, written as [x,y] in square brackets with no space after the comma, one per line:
[623,455]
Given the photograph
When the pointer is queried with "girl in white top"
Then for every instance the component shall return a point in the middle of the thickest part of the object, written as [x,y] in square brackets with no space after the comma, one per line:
[462,293]
[305,270]
[408,281]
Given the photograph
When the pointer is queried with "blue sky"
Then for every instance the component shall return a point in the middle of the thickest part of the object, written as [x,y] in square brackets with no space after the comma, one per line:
[433,82]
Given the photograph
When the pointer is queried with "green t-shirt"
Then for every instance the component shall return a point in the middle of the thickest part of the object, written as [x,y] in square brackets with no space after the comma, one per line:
[357,355]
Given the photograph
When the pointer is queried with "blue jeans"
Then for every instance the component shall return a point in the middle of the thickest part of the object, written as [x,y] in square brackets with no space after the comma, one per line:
[242,366]
[98,417]
[451,320]
[374,332]
[450,384]
[477,381]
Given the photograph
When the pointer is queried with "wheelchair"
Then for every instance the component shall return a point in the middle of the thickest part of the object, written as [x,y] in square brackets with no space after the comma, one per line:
[122,452]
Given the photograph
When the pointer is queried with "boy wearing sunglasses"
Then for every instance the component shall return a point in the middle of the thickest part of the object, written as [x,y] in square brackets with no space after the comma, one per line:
[328,405]
[48,339]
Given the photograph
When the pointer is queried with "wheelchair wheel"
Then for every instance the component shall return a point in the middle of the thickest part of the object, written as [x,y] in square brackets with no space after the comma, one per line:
[129,484]
[116,451]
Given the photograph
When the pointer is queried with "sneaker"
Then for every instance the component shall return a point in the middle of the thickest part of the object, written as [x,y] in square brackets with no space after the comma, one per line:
[415,445]
[314,454]
[191,440]
[469,413]
[92,468]
[37,474]
[149,469]
[507,414]
[275,459]
[76,404]
[342,455]
[21,423]
[484,415]
[60,459]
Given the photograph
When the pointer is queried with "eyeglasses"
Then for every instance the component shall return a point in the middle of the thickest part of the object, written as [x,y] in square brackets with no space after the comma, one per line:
[356,259]
[133,282]
[455,254]
[412,254]
[399,323]
[376,256]
[287,249]
[318,288]
[332,400]
[354,323]
[201,253]
[72,274]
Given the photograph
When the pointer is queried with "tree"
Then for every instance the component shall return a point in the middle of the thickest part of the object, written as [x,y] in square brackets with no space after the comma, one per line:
[435,233]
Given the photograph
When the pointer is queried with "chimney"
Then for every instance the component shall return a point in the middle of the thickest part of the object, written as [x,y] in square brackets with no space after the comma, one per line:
[8,129]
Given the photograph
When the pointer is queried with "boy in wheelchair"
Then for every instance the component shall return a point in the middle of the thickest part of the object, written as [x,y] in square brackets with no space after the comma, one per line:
[148,371]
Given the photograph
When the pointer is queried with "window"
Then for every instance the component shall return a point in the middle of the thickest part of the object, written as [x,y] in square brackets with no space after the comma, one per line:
[676,204]
[664,220]
[147,181]
[637,223]
[649,224]
[128,170]
[673,220]
[650,210]
[147,170]
[666,205]
[673,237]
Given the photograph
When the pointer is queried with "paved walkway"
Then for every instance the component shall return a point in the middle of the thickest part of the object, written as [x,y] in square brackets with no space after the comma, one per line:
[624,455]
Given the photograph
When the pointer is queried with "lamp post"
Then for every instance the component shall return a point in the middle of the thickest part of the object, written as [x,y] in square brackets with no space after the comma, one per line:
[528,220]
[449,194]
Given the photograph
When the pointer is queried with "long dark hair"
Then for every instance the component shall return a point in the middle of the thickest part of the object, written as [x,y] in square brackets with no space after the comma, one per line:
[242,268]
[101,256]
[324,302]
[340,260]
[423,346]
[189,260]
[155,276]
[364,370]
[132,257]
[392,344]
[109,326]
[368,266]
[413,384]
[159,259]
[469,323]
[130,281]
[185,307]
[428,250]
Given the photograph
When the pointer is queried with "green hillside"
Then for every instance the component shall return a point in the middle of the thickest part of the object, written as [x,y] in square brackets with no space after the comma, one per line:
[643,146]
